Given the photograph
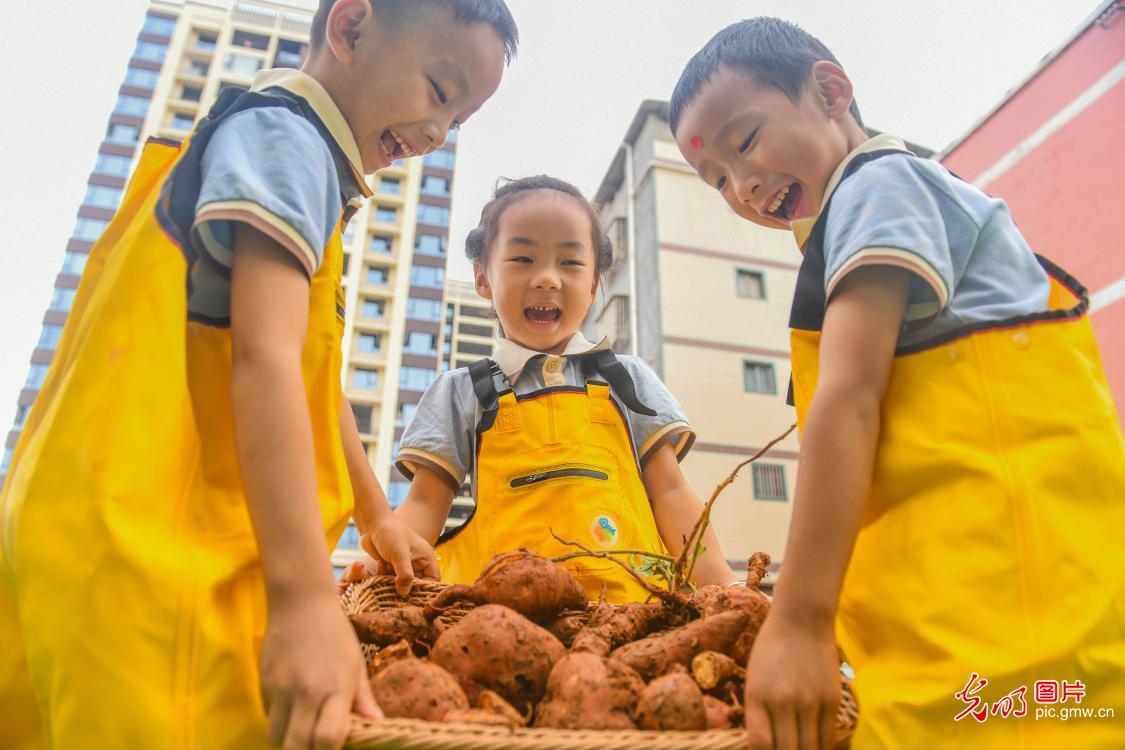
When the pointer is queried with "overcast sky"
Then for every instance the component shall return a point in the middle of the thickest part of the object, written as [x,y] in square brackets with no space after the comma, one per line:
[922,69]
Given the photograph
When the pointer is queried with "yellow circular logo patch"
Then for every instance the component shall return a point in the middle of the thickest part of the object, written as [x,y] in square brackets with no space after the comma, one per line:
[604,531]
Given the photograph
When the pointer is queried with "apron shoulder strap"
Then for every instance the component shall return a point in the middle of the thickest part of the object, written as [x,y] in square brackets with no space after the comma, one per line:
[483,373]
[619,379]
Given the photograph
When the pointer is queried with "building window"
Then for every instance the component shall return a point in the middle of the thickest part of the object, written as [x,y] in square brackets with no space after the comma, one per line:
[362,418]
[7,461]
[61,300]
[423,309]
[380,243]
[397,492]
[390,185]
[191,93]
[430,244]
[100,196]
[439,159]
[89,229]
[290,54]
[769,482]
[349,233]
[474,330]
[74,263]
[420,343]
[416,378]
[49,337]
[365,380]
[468,347]
[350,538]
[206,41]
[132,105]
[374,308]
[242,65]
[182,121]
[369,343]
[432,185]
[159,26]
[197,67]
[426,276]
[750,284]
[36,374]
[386,214]
[21,416]
[377,274]
[150,51]
[141,78]
[125,135]
[405,414]
[250,41]
[758,377]
[451,136]
[114,166]
[437,216]
[347,262]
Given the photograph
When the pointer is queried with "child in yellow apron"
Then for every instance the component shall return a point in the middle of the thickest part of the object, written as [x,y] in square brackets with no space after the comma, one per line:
[556,433]
[133,603]
[981,475]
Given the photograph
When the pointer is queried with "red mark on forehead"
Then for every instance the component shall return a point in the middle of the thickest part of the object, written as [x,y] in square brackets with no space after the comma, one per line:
[696,142]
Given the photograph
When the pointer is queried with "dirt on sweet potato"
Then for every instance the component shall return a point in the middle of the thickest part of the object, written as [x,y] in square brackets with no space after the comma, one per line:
[587,691]
[496,648]
[672,702]
[416,689]
[652,656]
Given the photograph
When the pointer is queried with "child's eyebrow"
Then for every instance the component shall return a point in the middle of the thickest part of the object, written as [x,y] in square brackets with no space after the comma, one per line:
[521,241]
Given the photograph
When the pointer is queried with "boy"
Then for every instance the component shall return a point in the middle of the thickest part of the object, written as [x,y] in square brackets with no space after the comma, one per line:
[939,465]
[192,437]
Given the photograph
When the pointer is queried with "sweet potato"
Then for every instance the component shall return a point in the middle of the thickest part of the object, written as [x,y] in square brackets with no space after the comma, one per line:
[612,626]
[385,656]
[416,689]
[489,708]
[721,715]
[386,626]
[713,670]
[521,580]
[672,702]
[477,716]
[585,691]
[493,647]
[652,656]
[566,627]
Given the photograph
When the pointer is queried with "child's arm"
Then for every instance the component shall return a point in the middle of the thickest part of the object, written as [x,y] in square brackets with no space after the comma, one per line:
[427,505]
[312,671]
[792,681]
[384,537]
[676,509]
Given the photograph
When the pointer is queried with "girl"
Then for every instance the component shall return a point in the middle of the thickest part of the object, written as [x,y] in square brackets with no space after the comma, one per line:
[558,434]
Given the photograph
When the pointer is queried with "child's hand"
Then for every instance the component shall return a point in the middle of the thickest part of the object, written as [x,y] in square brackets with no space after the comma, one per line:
[792,686]
[312,674]
[358,571]
[396,549]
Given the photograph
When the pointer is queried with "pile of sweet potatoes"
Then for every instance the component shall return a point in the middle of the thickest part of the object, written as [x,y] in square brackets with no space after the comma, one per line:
[534,652]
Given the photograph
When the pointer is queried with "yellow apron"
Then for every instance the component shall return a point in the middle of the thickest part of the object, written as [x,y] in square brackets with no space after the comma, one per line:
[560,458]
[130,577]
[991,538]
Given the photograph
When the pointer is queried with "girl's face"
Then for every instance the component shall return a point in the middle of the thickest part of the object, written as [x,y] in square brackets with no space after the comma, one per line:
[540,270]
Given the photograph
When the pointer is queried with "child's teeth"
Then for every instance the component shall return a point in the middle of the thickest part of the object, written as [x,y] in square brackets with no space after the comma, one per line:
[405,149]
[778,200]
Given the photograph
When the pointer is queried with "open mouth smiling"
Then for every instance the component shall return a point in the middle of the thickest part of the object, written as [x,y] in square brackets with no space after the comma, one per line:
[395,146]
[785,202]
[542,315]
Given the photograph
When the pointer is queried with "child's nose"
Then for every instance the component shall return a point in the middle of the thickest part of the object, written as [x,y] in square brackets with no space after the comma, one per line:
[746,187]
[434,134]
[547,278]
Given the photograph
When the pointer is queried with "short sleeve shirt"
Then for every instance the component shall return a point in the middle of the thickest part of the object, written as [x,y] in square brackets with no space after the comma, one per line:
[969,262]
[441,435]
[272,169]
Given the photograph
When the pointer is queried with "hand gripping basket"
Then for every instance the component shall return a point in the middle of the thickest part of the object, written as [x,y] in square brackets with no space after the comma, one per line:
[409,734]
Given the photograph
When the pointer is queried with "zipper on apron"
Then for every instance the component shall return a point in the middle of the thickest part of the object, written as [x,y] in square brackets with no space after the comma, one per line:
[545,476]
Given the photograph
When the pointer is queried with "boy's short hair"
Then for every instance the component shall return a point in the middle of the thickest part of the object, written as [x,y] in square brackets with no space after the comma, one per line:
[493,12]
[776,53]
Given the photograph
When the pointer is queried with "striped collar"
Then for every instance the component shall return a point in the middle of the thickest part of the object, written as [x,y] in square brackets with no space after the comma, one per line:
[801,228]
[309,89]
[512,357]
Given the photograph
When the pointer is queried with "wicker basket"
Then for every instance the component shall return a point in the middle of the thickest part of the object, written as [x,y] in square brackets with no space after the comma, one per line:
[410,734]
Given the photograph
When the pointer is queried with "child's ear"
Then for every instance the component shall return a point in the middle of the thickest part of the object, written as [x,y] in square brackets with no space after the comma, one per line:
[480,280]
[343,28]
[832,87]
